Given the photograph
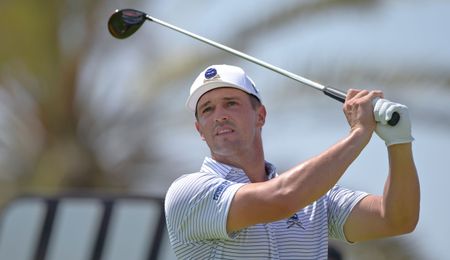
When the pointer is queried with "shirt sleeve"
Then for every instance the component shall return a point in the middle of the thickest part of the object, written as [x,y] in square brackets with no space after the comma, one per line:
[197,205]
[341,202]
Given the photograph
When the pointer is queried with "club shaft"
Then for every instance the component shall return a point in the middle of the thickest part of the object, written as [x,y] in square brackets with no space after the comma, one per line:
[283,72]
[329,91]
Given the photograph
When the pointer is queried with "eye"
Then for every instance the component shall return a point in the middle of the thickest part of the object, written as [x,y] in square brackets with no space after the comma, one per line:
[231,103]
[206,110]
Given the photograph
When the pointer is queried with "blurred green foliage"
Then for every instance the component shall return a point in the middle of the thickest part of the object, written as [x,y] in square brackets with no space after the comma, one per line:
[36,68]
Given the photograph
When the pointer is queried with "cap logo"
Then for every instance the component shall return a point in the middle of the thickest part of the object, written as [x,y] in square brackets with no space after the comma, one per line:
[210,73]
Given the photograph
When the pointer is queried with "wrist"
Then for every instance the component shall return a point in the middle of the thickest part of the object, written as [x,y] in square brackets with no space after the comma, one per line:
[362,134]
[399,141]
[400,147]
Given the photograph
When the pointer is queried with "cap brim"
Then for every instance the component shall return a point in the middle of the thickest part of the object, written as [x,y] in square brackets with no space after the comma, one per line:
[193,99]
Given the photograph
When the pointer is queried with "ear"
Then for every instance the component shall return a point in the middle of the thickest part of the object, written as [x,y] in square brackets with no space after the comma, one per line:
[261,115]
[197,126]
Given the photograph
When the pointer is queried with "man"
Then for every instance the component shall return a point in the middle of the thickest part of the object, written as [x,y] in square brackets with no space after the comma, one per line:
[238,207]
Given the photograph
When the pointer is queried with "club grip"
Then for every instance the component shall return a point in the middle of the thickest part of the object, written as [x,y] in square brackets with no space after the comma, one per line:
[340,96]
[337,94]
[394,119]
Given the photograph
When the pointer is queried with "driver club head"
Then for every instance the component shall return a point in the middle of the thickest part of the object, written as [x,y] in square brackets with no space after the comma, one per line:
[124,23]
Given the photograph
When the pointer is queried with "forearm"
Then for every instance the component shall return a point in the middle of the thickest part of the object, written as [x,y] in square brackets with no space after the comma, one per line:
[401,198]
[312,179]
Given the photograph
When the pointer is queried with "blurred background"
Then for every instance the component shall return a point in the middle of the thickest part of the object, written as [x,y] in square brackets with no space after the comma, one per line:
[82,111]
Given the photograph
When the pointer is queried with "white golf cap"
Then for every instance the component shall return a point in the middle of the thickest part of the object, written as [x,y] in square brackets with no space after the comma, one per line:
[219,76]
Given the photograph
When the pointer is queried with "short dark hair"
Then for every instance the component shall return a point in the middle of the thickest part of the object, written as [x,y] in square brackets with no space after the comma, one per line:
[254,101]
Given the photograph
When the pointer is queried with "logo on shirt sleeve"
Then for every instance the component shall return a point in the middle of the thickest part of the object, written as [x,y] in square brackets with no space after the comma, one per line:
[220,189]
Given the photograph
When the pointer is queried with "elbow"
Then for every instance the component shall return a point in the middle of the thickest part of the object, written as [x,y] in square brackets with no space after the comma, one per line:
[405,225]
[411,224]
[406,228]
[411,221]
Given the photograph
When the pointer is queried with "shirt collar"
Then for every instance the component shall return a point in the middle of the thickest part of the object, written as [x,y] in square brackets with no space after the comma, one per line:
[212,166]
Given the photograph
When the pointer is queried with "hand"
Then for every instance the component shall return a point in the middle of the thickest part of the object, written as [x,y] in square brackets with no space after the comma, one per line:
[398,134]
[358,109]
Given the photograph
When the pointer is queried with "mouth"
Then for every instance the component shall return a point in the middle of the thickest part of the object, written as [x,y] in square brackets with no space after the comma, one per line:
[224,131]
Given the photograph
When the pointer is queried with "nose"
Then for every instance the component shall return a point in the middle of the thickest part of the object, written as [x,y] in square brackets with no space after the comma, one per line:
[222,118]
[221,115]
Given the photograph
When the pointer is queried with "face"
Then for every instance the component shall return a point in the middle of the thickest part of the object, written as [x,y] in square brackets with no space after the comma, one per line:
[228,122]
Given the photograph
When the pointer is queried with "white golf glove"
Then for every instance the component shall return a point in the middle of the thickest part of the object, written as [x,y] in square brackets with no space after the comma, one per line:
[398,134]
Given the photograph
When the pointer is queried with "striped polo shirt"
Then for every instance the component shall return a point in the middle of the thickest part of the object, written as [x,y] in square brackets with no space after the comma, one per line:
[197,205]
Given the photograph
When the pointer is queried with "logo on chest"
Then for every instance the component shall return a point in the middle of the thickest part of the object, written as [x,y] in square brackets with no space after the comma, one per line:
[294,221]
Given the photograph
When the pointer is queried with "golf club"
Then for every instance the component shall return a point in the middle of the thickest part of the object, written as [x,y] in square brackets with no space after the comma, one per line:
[124,23]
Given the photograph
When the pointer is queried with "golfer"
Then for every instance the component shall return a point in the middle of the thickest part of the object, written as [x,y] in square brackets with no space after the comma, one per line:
[238,207]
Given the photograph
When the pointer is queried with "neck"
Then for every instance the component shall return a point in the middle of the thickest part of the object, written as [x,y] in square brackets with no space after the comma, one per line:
[251,162]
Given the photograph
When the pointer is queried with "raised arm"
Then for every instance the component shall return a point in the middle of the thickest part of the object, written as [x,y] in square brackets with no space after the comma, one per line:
[397,210]
[282,196]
